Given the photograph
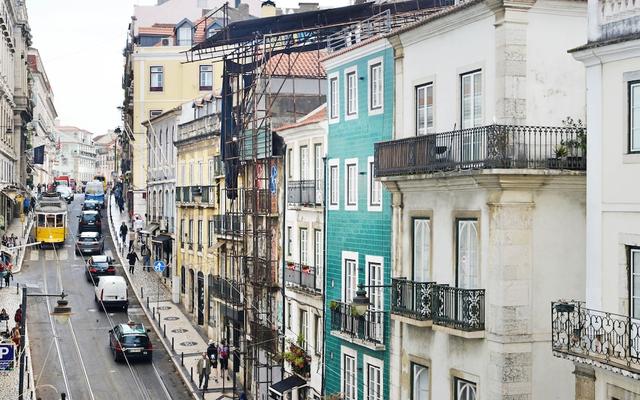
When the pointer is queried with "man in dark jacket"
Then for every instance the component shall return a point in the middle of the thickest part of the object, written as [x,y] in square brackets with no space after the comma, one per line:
[123,232]
[132,257]
[212,353]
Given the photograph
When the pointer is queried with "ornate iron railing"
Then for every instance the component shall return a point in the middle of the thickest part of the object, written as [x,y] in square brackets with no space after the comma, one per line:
[485,147]
[227,224]
[226,289]
[265,337]
[611,339]
[302,275]
[305,193]
[458,308]
[412,299]
[368,327]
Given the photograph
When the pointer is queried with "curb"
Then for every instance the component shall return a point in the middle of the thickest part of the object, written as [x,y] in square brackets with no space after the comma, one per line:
[166,346]
[18,267]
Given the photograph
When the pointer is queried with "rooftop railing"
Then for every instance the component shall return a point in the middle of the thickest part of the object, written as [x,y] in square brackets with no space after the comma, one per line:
[485,147]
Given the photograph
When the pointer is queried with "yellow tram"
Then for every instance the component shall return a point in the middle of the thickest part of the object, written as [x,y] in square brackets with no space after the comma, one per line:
[51,219]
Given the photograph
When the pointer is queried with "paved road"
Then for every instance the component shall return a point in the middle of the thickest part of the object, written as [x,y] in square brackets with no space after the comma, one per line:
[86,369]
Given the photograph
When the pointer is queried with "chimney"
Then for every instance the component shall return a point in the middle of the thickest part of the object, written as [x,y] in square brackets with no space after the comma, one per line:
[268,9]
[308,7]
[243,8]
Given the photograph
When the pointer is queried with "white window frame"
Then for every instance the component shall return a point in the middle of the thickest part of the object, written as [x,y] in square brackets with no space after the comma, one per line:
[465,275]
[158,72]
[347,163]
[289,240]
[290,163]
[460,384]
[318,170]
[633,146]
[415,395]
[472,76]
[374,362]
[303,153]
[347,73]
[182,41]
[423,276]
[349,256]
[376,293]
[373,108]
[318,237]
[371,184]
[334,98]
[334,184]
[303,246]
[349,352]
[318,329]
[303,329]
[635,272]
[207,74]
[427,128]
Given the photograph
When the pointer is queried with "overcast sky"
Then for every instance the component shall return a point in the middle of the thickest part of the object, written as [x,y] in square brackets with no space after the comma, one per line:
[81,44]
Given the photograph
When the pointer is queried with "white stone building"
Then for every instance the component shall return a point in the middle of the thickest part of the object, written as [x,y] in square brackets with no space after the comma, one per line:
[304,246]
[602,337]
[44,117]
[77,154]
[105,154]
[488,199]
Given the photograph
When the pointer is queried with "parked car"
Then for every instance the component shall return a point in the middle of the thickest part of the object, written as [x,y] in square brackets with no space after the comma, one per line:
[90,242]
[89,221]
[130,340]
[65,192]
[111,292]
[98,266]
[90,205]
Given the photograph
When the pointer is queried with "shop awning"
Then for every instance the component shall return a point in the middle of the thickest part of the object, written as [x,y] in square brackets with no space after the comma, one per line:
[164,241]
[286,385]
[151,228]
[11,194]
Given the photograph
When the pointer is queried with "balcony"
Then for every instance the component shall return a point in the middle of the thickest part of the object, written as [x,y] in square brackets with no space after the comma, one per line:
[619,18]
[307,193]
[366,330]
[226,289]
[412,301]
[603,339]
[267,204]
[302,276]
[227,224]
[486,147]
[186,194]
[199,128]
[265,337]
[458,311]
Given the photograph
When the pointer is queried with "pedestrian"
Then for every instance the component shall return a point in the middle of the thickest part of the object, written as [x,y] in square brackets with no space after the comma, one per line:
[39,189]
[204,370]
[132,257]
[146,257]
[123,232]
[7,276]
[121,204]
[17,317]
[212,353]
[15,335]
[132,238]
[223,355]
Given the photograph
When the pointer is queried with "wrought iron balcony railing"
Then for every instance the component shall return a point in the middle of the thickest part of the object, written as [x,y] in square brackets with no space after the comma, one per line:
[302,275]
[610,339]
[305,193]
[485,147]
[265,337]
[412,299]
[227,224]
[226,289]
[458,308]
[368,327]
[265,201]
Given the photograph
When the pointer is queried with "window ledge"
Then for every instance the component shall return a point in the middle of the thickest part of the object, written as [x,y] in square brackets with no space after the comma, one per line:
[420,323]
[631,158]
[348,338]
[459,333]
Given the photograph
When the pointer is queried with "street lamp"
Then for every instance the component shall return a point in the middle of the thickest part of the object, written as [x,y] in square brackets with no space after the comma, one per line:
[361,302]
[61,313]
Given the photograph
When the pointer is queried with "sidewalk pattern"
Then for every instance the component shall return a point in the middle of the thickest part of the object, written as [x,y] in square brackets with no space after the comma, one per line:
[178,331]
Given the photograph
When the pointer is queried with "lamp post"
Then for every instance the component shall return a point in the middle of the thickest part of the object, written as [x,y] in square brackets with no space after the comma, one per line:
[361,301]
[61,313]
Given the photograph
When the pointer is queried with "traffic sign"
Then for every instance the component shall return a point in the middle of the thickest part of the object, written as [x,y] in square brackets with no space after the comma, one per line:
[7,356]
[273,182]
[159,266]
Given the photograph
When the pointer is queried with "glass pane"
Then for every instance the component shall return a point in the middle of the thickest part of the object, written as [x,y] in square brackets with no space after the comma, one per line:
[420,382]
[468,263]
[635,288]
[635,312]
[635,95]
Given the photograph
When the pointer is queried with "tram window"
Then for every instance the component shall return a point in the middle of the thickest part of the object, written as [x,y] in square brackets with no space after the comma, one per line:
[51,220]
[41,220]
[59,223]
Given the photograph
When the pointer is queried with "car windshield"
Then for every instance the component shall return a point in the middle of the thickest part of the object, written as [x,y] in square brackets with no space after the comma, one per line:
[101,265]
[135,340]
[88,239]
[94,188]
[89,217]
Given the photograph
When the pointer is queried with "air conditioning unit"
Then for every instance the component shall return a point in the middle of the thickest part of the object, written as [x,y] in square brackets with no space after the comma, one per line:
[165,42]
[163,225]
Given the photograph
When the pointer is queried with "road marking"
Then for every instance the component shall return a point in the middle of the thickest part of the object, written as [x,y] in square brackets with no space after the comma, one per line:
[108,253]
[63,256]
[162,385]
[84,369]
[35,255]
[49,255]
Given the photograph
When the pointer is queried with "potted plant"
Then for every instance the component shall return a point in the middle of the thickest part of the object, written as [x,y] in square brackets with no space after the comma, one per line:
[334,305]
[564,306]
[291,265]
[298,358]
[577,145]
[306,269]
[355,312]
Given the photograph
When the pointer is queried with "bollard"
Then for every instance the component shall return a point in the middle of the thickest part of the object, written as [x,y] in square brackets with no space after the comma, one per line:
[172,347]
[28,380]
[182,359]
[18,288]
[159,320]
[63,396]
[191,373]
[153,313]
[164,331]
[147,303]
[142,292]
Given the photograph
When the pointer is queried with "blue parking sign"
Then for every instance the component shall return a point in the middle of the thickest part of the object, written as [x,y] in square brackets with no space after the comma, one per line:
[7,356]
[159,266]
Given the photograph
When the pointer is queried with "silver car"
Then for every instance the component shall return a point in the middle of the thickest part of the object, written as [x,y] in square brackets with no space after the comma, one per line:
[89,243]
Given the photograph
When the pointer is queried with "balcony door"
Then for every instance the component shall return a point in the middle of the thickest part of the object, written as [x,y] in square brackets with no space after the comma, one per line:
[304,163]
[421,249]
[318,171]
[634,304]
[467,255]
[471,114]
[350,280]
[375,278]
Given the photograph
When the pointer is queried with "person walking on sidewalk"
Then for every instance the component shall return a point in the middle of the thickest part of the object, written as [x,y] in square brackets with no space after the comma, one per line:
[7,276]
[123,232]
[132,257]
[132,238]
[212,353]
[223,355]
[204,370]
[146,257]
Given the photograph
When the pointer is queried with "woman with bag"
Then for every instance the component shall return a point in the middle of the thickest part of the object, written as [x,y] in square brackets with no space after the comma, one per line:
[212,353]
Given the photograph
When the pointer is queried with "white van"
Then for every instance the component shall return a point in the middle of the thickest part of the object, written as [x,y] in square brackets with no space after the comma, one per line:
[111,292]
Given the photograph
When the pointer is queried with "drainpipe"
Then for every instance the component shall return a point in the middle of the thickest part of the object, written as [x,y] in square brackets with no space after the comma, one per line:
[284,222]
[324,272]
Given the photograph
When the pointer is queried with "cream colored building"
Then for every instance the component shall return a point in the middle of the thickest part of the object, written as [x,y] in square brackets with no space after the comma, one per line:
[77,154]
[602,337]
[488,213]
